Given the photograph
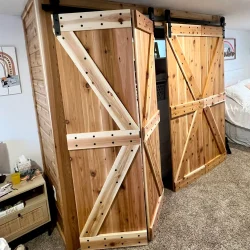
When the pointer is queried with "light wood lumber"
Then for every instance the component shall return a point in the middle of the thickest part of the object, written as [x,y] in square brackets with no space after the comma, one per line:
[191,132]
[142,42]
[44,67]
[151,125]
[199,52]
[212,31]
[115,240]
[194,172]
[149,82]
[213,68]
[185,30]
[154,166]
[186,108]
[155,219]
[215,162]
[109,190]
[95,20]
[214,100]
[96,80]
[143,23]
[183,64]
[215,130]
[103,139]
[111,50]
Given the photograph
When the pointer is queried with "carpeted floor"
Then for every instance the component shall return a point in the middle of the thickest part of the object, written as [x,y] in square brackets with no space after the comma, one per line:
[212,213]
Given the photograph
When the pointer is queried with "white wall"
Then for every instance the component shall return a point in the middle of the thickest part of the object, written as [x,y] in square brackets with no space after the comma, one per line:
[239,68]
[18,128]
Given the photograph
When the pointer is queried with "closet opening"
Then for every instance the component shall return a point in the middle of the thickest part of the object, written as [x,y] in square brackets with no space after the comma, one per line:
[163,105]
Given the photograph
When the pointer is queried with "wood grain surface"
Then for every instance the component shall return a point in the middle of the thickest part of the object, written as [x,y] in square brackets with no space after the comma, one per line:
[197,110]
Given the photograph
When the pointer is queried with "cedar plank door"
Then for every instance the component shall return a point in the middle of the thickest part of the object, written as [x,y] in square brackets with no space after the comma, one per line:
[149,117]
[97,74]
[195,65]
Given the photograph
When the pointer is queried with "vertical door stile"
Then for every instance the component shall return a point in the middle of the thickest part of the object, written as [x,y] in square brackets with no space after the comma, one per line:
[143,31]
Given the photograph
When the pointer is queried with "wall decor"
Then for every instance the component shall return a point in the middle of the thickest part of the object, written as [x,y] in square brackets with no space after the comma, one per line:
[229,48]
[9,76]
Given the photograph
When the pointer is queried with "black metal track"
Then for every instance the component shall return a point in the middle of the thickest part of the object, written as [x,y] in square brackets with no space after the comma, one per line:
[55,8]
[63,9]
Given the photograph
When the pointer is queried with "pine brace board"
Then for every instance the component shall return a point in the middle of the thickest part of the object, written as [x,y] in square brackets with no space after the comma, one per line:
[206,101]
[115,240]
[196,30]
[128,137]
[95,20]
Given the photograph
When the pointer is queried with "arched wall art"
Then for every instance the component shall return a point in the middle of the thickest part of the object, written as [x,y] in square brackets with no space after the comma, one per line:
[229,48]
[9,75]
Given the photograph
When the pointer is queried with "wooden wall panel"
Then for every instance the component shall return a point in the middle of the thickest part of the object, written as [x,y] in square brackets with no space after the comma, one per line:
[40,96]
[85,113]
[51,122]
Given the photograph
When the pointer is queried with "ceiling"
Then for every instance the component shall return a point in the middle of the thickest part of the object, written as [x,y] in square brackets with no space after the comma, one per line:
[237,12]
[12,7]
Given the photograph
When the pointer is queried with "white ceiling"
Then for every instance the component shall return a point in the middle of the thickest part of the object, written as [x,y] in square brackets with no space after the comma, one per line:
[12,7]
[237,12]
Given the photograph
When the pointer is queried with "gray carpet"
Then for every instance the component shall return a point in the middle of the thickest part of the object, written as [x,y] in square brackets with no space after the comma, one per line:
[211,213]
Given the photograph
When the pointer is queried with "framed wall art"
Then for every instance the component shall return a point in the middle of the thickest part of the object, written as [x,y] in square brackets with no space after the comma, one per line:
[229,48]
[9,75]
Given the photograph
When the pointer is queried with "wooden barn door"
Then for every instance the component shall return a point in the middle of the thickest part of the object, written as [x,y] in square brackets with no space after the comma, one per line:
[195,65]
[149,117]
[96,65]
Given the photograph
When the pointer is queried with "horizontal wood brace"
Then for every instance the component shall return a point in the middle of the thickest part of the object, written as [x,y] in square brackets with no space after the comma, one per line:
[194,30]
[211,31]
[214,100]
[149,128]
[111,19]
[186,30]
[115,240]
[103,139]
[186,108]
[190,107]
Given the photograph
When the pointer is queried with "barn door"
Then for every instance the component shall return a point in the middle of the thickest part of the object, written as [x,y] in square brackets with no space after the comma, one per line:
[149,117]
[113,139]
[195,65]
[95,56]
